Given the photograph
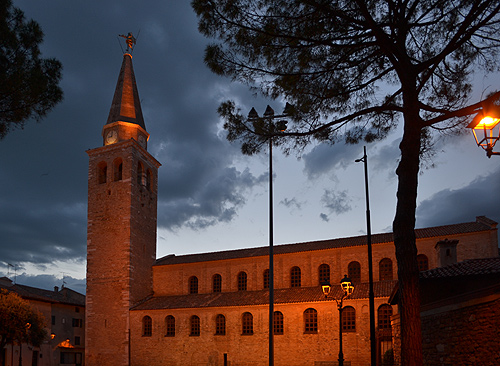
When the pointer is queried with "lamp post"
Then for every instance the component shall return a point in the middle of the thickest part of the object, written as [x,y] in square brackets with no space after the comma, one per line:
[486,128]
[347,289]
[265,126]
[371,295]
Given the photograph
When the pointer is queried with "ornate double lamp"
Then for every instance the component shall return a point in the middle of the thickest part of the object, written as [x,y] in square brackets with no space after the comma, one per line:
[486,128]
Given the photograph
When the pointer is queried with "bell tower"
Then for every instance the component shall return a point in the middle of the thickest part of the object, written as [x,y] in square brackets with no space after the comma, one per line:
[121,228]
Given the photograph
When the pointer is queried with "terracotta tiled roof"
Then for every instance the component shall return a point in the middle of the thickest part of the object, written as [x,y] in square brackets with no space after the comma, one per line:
[481,224]
[64,296]
[261,297]
[471,267]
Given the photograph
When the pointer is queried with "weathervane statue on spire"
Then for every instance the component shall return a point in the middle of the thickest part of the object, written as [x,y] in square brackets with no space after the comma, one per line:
[130,40]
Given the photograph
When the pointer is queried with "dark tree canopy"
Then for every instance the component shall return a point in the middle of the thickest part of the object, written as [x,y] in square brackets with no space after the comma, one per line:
[19,322]
[352,69]
[29,84]
[351,61]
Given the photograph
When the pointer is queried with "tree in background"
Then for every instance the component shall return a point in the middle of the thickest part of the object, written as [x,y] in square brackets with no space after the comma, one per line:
[351,70]
[19,322]
[29,84]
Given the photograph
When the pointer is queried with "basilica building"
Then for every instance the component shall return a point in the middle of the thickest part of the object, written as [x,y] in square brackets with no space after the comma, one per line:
[213,308]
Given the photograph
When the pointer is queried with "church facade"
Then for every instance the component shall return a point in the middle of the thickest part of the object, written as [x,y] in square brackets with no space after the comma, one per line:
[212,308]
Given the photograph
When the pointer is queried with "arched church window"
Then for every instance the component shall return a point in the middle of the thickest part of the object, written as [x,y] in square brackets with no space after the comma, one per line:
[266,278]
[348,319]
[193,285]
[118,169]
[102,171]
[384,316]
[295,277]
[278,327]
[310,321]
[324,273]
[385,269]
[147,326]
[194,326]
[217,283]
[169,326]
[247,323]
[220,325]
[242,281]
[354,271]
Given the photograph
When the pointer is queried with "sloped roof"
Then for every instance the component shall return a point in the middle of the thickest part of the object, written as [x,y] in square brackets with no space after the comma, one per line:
[470,267]
[261,297]
[481,224]
[126,105]
[63,296]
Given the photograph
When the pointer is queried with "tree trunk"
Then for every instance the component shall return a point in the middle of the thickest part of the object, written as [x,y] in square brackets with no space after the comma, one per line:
[405,242]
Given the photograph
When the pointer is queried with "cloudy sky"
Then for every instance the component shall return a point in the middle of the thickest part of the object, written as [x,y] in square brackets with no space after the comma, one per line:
[210,196]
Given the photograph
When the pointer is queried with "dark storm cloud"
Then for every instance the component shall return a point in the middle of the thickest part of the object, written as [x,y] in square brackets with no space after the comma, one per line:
[43,169]
[479,198]
[335,202]
[324,158]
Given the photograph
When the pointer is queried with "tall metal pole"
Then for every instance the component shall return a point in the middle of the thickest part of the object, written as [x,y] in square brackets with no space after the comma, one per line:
[341,354]
[371,295]
[271,250]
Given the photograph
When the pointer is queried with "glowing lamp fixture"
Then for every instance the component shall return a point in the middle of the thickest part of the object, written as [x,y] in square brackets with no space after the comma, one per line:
[486,129]
[346,285]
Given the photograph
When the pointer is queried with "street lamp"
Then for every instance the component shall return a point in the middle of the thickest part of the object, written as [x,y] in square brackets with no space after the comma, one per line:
[486,128]
[265,126]
[371,294]
[347,289]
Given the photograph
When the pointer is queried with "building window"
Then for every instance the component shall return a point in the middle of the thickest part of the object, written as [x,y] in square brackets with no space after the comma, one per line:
[310,321]
[195,326]
[278,322]
[169,326]
[385,269]
[77,323]
[220,325]
[423,262]
[295,277]
[266,278]
[354,271]
[242,281]
[247,323]
[324,273]
[147,326]
[117,169]
[348,319]
[102,170]
[141,179]
[53,320]
[193,285]
[217,283]
[77,341]
[384,316]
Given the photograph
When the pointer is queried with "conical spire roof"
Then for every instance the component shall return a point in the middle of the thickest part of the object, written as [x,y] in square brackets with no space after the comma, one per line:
[126,105]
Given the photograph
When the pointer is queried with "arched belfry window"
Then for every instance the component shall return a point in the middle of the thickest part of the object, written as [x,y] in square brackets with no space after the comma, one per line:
[149,177]
[141,178]
[102,172]
[118,170]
